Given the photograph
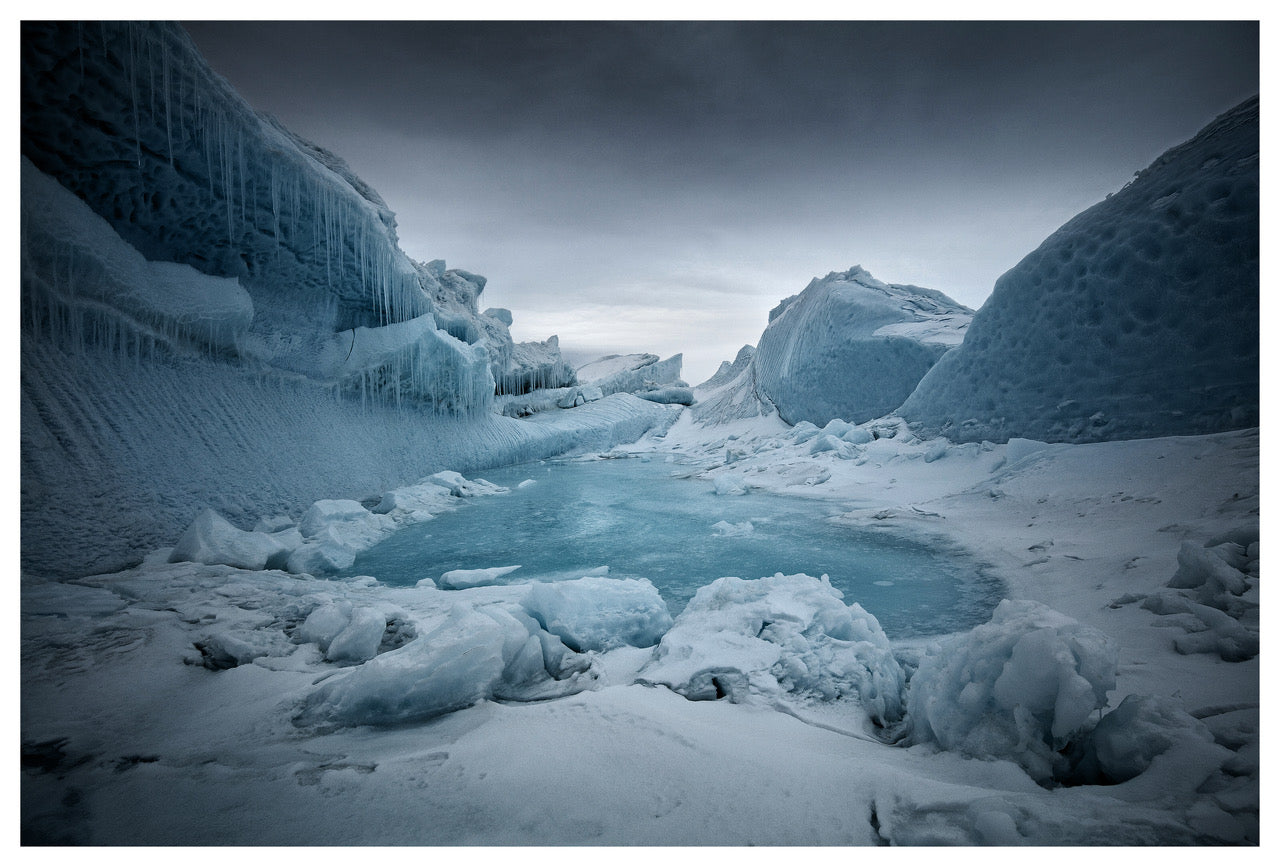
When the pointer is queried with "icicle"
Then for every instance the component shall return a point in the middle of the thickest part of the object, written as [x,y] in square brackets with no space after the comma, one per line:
[168,120]
[133,90]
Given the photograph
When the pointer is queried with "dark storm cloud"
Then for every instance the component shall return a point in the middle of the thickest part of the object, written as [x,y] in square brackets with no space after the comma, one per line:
[594,163]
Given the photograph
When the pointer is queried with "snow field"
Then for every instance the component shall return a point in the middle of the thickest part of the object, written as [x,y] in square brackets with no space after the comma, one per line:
[1157,746]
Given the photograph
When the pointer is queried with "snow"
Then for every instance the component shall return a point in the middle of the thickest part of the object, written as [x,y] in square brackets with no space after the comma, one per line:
[470,707]
[1074,344]
[890,335]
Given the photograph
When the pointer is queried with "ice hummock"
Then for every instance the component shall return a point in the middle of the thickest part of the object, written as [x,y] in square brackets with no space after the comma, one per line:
[1023,686]
[1138,318]
[785,639]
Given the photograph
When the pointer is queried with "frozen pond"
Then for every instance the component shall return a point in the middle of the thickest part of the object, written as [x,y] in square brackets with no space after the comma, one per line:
[634,517]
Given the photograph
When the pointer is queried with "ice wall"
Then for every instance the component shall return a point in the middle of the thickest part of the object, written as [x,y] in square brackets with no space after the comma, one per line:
[216,313]
[852,347]
[1138,318]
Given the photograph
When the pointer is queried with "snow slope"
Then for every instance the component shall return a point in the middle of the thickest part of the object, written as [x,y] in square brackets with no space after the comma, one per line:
[1137,318]
[852,347]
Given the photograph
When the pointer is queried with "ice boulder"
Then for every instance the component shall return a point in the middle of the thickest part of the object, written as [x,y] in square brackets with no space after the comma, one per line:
[345,632]
[345,523]
[1138,318]
[212,540]
[787,638]
[461,579]
[1020,687]
[460,486]
[852,347]
[472,653]
[596,613]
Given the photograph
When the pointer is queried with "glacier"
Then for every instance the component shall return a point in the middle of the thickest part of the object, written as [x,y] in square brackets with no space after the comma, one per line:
[233,381]
[1137,318]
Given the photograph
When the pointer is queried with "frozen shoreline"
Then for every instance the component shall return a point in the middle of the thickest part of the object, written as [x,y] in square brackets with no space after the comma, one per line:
[157,751]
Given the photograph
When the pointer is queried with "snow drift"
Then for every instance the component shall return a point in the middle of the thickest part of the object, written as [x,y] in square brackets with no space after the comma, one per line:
[1138,318]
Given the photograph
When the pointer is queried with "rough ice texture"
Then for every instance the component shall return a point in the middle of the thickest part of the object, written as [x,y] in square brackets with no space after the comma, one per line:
[1138,318]
[1214,597]
[852,347]
[784,638]
[1021,687]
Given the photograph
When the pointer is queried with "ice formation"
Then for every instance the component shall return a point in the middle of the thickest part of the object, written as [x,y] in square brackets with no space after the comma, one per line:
[1138,318]
[788,638]
[1021,687]
[852,347]
[213,309]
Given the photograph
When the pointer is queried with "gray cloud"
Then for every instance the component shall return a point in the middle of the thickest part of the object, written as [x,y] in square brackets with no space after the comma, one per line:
[709,169]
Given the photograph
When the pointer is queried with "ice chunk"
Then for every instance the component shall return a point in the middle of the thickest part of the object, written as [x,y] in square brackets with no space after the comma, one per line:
[724,528]
[460,486]
[1129,738]
[1020,687]
[359,639]
[669,394]
[595,613]
[788,637]
[730,485]
[473,653]
[459,579]
[212,540]
[452,667]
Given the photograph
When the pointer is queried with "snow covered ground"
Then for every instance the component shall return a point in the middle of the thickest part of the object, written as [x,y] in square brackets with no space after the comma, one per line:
[179,703]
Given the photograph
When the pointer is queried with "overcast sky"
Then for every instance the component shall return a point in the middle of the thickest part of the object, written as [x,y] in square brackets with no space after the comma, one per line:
[660,186]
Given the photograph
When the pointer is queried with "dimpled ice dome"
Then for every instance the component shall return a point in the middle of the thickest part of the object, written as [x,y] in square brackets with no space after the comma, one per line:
[1138,318]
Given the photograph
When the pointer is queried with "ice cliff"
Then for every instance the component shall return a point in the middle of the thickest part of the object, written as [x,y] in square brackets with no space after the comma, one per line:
[129,118]
[216,314]
[1138,318]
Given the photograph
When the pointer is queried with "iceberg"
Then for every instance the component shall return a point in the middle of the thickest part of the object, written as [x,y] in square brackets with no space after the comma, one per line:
[1138,318]
[852,347]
